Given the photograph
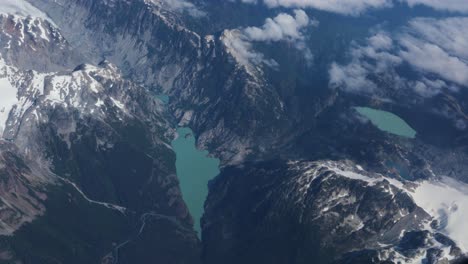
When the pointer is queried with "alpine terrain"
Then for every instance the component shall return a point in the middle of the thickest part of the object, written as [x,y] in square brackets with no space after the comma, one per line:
[234,131]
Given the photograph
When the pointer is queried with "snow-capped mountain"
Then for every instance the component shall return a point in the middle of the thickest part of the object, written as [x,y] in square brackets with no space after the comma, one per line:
[331,211]
[72,136]
[87,167]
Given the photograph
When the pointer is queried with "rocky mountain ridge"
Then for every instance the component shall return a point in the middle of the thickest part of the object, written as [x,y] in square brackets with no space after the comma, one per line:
[83,134]
[329,211]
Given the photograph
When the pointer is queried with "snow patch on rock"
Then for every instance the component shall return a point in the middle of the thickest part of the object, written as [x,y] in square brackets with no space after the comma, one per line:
[8,98]
[447,201]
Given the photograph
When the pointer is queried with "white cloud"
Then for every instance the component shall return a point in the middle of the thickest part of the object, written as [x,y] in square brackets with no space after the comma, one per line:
[438,46]
[445,5]
[381,41]
[436,49]
[356,7]
[241,49]
[349,7]
[429,88]
[283,27]
[432,58]
[352,76]
[450,33]
[373,58]
[180,6]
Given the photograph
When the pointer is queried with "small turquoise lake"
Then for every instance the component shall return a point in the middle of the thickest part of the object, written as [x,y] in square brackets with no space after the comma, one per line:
[164,98]
[387,122]
[194,169]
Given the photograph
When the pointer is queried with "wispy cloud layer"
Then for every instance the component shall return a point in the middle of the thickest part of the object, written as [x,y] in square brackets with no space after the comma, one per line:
[242,49]
[356,7]
[351,7]
[180,6]
[444,5]
[436,50]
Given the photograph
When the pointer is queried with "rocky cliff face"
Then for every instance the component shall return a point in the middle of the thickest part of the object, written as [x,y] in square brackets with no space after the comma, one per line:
[83,142]
[23,189]
[24,38]
[326,211]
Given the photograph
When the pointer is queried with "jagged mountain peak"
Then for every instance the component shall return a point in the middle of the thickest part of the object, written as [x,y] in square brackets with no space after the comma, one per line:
[23,37]
[85,89]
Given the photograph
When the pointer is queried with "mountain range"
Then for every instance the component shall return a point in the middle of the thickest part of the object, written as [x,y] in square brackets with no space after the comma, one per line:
[270,88]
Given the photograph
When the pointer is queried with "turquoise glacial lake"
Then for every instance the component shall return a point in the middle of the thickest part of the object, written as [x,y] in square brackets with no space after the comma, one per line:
[164,98]
[194,169]
[387,122]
